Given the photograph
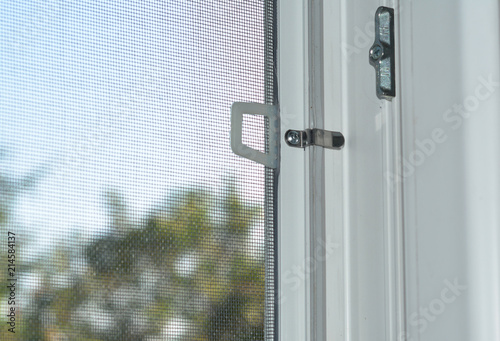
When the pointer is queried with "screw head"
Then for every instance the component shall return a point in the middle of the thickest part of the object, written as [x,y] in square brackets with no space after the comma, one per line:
[293,137]
[376,52]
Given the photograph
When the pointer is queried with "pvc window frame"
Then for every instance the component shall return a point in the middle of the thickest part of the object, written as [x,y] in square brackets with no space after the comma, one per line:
[305,249]
[293,198]
[319,298]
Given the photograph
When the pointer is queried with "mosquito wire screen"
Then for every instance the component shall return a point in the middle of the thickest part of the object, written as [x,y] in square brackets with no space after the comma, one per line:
[124,214]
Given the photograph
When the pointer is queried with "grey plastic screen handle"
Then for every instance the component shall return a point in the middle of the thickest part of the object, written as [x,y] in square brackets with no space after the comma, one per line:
[238,109]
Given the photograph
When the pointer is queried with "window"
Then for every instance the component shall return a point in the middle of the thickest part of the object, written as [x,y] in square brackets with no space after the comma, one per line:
[128,214]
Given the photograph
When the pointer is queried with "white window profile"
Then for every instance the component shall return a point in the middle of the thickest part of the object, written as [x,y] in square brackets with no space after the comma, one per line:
[412,246]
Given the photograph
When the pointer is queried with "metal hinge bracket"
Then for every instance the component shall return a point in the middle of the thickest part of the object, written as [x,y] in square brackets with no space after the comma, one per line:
[314,137]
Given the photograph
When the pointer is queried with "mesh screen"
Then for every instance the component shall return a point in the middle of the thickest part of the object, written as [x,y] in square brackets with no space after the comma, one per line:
[124,214]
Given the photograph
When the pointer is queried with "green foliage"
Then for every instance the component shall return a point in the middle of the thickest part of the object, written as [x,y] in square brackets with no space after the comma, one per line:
[188,261]
[10,189]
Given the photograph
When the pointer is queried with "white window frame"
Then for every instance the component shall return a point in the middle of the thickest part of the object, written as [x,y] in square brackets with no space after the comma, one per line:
[322,298]
[292,196]
[399,245]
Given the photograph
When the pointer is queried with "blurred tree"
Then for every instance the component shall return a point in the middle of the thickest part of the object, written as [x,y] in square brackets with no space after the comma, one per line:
[185,272]
[10,189]
[117,211]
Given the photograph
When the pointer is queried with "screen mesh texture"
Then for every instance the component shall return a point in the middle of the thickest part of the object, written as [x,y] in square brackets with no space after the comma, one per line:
[124,215]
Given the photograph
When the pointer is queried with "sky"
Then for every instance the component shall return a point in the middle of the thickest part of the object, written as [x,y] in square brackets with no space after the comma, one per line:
[128,95]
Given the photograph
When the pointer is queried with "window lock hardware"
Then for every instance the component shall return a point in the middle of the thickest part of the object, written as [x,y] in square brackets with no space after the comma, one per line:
[381,54]
[314,137]
[271,157]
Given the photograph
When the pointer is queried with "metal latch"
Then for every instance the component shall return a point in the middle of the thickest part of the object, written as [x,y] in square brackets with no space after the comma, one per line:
[238,109]
[294,138]
[314,137]
[382,53]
